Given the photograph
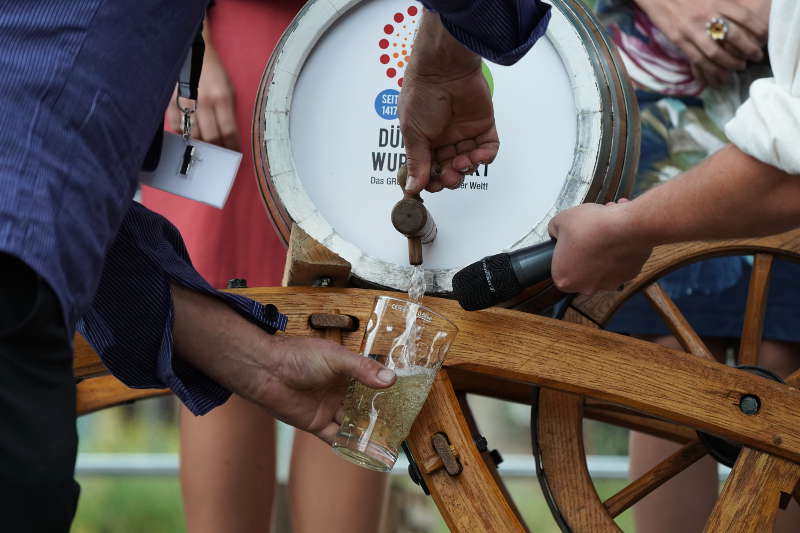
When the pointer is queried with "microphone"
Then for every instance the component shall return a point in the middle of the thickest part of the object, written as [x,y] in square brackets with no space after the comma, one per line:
[500,277]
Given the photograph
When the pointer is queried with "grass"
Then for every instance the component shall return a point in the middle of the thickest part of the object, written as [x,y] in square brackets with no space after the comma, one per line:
[130,504]
[123,505]
[150,426]
[153,504]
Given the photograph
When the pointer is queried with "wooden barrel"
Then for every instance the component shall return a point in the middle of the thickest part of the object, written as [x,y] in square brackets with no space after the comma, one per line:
[327,140]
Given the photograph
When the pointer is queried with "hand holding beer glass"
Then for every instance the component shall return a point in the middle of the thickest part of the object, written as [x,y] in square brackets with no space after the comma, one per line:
[413,341]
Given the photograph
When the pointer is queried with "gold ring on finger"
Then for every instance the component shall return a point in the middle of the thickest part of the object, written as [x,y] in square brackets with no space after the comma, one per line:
[717,29]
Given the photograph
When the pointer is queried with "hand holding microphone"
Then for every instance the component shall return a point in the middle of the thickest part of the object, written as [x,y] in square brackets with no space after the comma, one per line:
[599,248]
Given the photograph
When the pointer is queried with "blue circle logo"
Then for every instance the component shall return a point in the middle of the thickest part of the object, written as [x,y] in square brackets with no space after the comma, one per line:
[386,104]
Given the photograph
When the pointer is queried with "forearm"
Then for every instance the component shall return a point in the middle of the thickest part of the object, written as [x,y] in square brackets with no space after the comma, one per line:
[216,340]
[437,54]
[145,259]
[729,195]
[300,380]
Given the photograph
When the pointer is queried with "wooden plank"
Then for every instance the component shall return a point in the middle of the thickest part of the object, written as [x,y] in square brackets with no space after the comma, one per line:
[655,477]
[640,375]
[85,362]
[677,323]
[755,311]
[104,391]
[471,501]
[630,419]
[752,493]
[563,471]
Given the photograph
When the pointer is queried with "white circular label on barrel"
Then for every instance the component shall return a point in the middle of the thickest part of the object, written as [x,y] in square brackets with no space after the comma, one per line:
[347,146]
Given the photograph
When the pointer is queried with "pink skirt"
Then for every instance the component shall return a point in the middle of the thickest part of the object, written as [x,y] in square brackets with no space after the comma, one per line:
[238,241]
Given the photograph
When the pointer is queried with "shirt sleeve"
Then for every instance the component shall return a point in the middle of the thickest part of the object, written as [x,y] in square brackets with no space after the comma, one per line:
[767,125]
[130,321]
[502,31]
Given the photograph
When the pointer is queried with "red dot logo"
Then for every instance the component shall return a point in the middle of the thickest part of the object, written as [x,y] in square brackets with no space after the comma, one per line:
[398,33]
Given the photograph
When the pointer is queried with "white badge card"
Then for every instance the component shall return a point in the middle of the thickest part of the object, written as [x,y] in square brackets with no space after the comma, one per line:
[199,171]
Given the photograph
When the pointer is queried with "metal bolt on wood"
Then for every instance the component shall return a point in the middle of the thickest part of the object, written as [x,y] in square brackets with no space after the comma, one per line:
[749,404]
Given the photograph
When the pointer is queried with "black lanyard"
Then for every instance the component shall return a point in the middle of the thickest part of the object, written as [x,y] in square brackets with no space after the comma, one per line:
[188,82]
[190,72]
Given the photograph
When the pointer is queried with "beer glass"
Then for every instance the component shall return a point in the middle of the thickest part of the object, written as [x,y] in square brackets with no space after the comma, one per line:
[412,340]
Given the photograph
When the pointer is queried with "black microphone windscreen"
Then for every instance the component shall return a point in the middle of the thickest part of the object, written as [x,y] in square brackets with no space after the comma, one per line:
[485,283]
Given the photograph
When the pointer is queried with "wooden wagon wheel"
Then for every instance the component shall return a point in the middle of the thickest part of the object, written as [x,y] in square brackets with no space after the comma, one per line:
[759,481]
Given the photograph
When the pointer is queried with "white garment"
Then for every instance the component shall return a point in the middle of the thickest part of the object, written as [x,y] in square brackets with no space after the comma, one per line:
[767,125]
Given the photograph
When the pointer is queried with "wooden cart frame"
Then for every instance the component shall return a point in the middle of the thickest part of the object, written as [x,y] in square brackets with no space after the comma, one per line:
[567,370]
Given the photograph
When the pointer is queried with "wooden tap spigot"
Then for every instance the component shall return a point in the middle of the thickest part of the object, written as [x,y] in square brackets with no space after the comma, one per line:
[411,218]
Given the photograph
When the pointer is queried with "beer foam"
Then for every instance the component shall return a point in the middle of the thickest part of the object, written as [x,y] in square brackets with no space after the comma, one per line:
[415,370]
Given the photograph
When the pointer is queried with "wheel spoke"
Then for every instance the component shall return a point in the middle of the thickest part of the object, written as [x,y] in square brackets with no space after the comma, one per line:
[630,419]
[655,477]
[755,310]
[491,386]
[676,322]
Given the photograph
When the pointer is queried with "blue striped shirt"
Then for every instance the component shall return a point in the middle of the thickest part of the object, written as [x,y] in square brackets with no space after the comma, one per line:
[83,87]
[502,31]
[130,320]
